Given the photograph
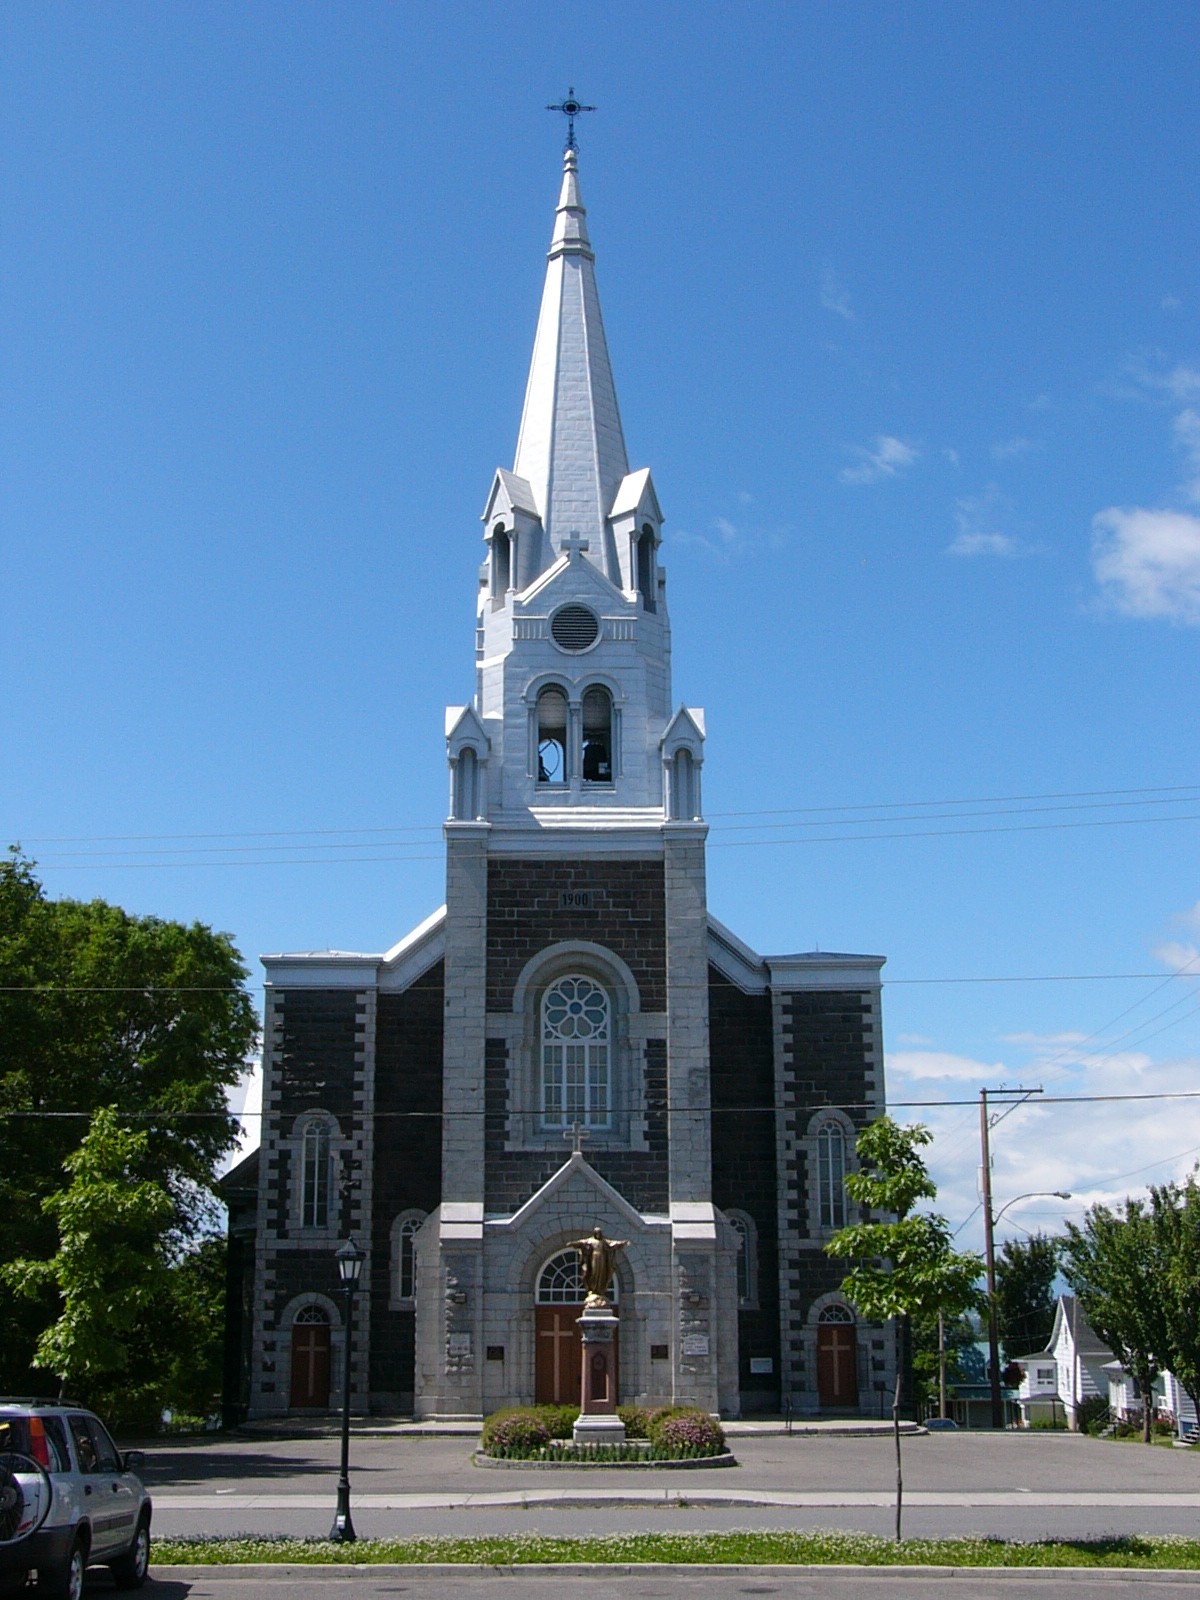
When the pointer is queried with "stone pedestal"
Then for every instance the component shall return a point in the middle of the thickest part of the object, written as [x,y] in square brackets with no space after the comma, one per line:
[598,1422]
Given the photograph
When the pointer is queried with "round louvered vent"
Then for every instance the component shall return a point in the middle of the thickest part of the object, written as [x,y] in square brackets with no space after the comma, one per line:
[575,628]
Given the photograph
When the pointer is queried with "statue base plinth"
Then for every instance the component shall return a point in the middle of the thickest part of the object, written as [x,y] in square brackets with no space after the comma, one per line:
[598,1422]
[598,1428]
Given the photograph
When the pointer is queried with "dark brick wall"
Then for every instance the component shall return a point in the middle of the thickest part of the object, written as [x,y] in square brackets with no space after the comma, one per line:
[742,1073]
[512,1176]
[408,1159]
[316,1057]
[628,917]
[827,1036]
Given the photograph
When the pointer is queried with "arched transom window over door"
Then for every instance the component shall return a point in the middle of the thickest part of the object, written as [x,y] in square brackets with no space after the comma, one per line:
[576,1039]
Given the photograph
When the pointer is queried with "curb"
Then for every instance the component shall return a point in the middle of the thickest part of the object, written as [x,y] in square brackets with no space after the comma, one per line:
[689,1464]
[352,1572]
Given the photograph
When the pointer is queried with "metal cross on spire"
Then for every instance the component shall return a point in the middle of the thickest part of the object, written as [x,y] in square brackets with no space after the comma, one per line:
[570,108]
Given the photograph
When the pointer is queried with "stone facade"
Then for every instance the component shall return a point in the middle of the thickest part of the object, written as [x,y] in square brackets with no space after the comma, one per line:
[573,1039]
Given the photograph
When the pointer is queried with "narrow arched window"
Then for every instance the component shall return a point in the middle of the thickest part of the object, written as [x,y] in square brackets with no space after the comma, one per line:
[552,736]
[597,736]
[404,1256]
[314,1185]
[466,786]
[576,1033]
[645,567]
[747,1261]
[501,562]
[831,1174]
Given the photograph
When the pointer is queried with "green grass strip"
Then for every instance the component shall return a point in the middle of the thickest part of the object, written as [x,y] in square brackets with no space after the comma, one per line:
[810,1548]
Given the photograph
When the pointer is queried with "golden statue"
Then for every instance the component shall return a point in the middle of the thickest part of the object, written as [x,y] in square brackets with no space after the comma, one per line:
[597,1257]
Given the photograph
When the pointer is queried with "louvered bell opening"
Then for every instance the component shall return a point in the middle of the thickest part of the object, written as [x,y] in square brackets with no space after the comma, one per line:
[575,628]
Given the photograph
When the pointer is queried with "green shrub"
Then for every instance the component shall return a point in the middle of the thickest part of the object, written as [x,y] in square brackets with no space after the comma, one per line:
[558,1420]
[634,1418]
[686,1430]
[1093,1414]
[518,1430]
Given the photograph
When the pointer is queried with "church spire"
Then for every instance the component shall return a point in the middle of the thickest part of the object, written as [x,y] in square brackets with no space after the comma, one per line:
[571,450]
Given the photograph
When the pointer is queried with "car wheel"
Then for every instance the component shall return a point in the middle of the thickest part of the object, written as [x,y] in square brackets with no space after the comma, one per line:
[65,1581]
[129,1571]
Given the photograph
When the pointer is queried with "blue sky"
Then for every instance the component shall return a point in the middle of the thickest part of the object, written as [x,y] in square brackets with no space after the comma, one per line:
[903,312]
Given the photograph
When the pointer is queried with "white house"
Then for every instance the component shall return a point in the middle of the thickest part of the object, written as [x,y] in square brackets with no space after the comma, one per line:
[1070,1371]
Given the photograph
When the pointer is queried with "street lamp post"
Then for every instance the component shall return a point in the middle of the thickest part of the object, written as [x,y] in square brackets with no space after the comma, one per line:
[349,1260]
[989,1238]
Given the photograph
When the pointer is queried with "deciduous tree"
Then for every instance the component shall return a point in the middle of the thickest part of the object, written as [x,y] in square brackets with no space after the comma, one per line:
[1025,1298]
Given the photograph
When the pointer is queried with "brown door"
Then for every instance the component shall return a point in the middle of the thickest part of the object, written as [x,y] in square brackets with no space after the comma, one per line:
[310,1364]
[837,1363]
[557,1369]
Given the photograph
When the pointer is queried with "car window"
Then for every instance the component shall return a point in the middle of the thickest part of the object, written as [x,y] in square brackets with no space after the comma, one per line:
[56,1445]
[107,1457]
[85,1449]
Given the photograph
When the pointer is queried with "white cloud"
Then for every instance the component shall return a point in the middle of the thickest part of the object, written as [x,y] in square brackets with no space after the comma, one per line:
[951,455]
[1180,382]
[724,538]
[1170,302]
[913,1038]
[888,457]
[1178,956]
[1147,562]
[921,1065]
[835,296]
[982,544]
[1013,449]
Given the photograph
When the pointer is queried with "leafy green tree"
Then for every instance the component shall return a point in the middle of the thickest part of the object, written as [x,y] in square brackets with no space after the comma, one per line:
[1025,1298]
[1175,1222]
[100,1008]
[905,1264]
[110,1270]
[1115,1265]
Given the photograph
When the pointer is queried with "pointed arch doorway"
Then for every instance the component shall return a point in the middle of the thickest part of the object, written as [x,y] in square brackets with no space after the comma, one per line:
[558,1298]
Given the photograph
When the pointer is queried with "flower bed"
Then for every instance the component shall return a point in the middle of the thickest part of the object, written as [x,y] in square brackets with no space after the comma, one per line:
[544,1434]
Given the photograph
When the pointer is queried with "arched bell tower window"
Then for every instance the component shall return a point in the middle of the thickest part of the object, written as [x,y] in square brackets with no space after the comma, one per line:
[645,567]
[552,736]
[597,736]
[315,1176]
[501,561]
[576,1035]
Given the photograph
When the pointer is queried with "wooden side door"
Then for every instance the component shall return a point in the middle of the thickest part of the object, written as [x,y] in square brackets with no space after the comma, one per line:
[556,1375]
[310,1365]
[837,1364]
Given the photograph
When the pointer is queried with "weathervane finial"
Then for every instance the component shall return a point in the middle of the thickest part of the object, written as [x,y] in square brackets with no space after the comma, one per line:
[570,108]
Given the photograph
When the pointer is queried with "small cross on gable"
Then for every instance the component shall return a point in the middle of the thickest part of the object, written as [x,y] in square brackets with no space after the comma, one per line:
[574,544]
[577,1133]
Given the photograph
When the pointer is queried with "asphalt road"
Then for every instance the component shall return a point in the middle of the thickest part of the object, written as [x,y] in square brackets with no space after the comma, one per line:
[673,1584]
[1033,1485]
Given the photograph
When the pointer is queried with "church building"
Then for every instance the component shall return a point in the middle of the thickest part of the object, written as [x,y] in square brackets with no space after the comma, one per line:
[573,1039]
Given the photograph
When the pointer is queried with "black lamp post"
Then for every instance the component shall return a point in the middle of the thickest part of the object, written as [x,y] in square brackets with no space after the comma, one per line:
[349,1260]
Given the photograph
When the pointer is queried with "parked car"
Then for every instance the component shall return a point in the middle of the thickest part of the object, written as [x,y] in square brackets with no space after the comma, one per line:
[941,1424]
[68,1500]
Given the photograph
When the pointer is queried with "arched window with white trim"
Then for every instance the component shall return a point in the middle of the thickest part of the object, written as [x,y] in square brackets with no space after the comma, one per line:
[552,735]
[744,1226]
[404,1257]
[597,735]
[315,1175]
[576,1039]
[831,1175]
[560,1282]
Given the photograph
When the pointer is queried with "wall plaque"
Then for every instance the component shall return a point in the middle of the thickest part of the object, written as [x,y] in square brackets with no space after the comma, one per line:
[575,900]
[495,1352]
[761,1364]
[459,1344]
[695,1344]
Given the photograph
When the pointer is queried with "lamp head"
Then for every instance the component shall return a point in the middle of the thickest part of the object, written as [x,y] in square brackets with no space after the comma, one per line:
[350,1260]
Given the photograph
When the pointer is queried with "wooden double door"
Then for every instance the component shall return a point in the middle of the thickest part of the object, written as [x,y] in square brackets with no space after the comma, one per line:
[558,1359]
[310,1365]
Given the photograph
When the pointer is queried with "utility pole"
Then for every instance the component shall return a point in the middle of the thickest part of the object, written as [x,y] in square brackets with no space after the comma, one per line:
[989,1244]
[941,1362]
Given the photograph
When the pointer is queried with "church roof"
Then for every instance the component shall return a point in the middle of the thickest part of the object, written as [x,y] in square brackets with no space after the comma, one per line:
[571,450]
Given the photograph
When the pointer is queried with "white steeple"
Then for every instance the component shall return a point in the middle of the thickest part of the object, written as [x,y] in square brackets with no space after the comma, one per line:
[570,449]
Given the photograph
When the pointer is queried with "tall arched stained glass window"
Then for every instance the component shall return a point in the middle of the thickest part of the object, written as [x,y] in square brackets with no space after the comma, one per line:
[576,1034]
[314,1200]
[831,1174]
